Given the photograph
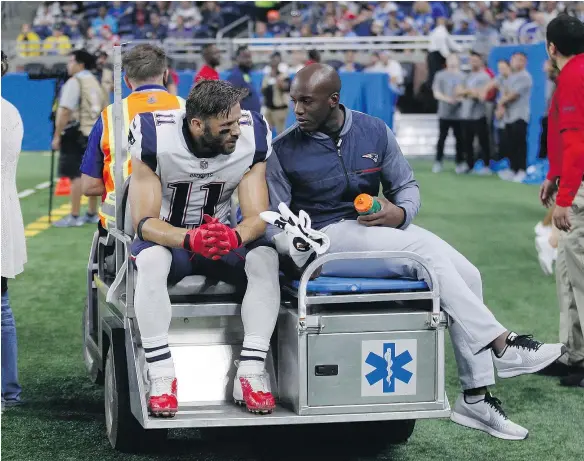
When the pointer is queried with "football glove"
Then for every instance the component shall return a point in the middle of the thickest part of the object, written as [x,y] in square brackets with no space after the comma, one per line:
[212,239]
[298,240]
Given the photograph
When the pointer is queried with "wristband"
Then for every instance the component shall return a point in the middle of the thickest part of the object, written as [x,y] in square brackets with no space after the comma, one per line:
[239,241]
[140,224]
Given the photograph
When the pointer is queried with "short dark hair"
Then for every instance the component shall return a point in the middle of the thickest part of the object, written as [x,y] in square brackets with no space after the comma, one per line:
[567,34]
[84,57]
[506,61]
[240,49]
[314,55]
[212,98]
[477,54]
[520,53]
[144,62]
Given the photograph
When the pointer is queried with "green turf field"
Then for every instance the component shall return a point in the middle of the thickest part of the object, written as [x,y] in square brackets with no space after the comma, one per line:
[489,221]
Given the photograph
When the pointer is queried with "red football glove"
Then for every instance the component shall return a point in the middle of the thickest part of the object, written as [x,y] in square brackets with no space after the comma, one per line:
[212,239]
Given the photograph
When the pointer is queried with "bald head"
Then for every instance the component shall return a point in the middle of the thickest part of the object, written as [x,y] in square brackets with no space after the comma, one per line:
[315,92]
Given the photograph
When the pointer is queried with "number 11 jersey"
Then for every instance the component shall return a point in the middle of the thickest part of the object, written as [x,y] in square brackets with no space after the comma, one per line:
[194,185]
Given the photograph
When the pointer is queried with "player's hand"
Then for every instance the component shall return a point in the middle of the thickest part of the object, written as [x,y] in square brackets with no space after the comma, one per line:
[561,218]
[212,239]
[390,215]
[56,143]
[222,232]
[546,192]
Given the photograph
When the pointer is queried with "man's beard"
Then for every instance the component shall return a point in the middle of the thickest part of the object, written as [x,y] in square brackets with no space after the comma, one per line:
[211,144]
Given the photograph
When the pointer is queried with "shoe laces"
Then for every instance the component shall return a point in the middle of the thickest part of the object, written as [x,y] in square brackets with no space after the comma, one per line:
[495,403]
[525,342]
[161,386]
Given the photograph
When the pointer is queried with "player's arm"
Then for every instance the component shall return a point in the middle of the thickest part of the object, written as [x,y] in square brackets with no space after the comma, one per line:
[145,202]
[92,163]
[253,199]
[520,87]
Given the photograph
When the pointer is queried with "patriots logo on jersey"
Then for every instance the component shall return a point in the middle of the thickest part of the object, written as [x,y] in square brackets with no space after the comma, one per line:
[371,156]
[245,120]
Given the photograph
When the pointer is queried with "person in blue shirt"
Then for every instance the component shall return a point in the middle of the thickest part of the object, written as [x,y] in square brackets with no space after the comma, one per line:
[240,76]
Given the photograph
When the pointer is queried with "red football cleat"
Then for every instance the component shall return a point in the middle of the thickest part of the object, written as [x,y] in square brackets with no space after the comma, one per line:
[162,401]
[253,391]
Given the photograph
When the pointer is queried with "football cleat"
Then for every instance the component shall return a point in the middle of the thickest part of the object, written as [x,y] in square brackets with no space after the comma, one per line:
[253,391]
[162,401]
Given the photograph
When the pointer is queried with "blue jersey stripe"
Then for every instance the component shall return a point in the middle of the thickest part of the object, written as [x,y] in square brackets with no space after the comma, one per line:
[148,145]
[260,134]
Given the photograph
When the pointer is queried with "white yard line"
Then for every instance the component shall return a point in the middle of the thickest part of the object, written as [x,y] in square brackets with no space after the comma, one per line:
[41,186]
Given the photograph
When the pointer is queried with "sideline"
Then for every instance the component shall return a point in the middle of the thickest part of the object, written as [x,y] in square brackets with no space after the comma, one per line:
[41,224]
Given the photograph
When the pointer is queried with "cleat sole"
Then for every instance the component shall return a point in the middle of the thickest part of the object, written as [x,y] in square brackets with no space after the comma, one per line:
[242,403]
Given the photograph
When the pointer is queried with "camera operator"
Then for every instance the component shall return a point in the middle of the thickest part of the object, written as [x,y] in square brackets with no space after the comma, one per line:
[81,102]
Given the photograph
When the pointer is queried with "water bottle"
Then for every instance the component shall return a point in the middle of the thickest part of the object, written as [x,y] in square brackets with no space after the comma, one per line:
[366,204]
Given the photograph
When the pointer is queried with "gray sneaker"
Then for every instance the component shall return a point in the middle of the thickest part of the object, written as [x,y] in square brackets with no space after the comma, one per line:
[69,221]
[88,219]
[488,416]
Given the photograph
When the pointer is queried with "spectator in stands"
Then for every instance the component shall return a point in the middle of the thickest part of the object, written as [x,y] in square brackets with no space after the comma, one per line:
[179,30]
[276,27]
[261,30]
[444,89]
[108,39]
[212,58]
[153,31]
[516,107]
[241,78]
[549,11]
[92,43]
[534,30]
[28,42]
[212,18]
[276,92]
[329,28]
[295,24]
[46,16]
[13,244]
[441,46]
[104,19]
[364,21]
[190,14]
[139,13]
[58,42]
[463,13]
[80,105]
[164,11]
[350,65]
[70,18]
[118,9]
[473,115]
[422,15]
[511,25]
[392,68]
[486,36]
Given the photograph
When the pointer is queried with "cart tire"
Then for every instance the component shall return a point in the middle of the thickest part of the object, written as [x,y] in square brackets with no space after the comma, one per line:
[124,432]
[91,364]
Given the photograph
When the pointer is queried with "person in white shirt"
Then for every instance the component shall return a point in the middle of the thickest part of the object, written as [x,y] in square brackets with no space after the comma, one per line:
[511,25]
[13,244]
[384,64]
[441,46]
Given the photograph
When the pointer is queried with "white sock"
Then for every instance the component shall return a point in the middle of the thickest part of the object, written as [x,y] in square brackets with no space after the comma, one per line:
[259,309]
[153,309]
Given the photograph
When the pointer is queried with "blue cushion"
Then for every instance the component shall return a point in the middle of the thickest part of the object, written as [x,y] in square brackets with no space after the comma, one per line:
[329,285]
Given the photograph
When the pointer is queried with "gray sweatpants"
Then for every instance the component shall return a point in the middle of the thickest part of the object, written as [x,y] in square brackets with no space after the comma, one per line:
[473,327]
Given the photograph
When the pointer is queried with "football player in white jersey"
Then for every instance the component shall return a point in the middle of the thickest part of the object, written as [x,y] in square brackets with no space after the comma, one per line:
[186,164]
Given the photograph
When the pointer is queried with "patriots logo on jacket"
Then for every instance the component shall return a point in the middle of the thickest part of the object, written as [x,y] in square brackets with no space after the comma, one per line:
[371,156]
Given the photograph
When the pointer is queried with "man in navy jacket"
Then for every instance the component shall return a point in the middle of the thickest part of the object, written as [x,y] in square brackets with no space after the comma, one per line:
[240,77]
[331,155]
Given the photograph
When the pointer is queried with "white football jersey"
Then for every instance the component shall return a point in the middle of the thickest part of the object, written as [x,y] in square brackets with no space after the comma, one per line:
[191,185]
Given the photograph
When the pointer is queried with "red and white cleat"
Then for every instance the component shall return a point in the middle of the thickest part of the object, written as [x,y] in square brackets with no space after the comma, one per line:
[253,391]
[162,401]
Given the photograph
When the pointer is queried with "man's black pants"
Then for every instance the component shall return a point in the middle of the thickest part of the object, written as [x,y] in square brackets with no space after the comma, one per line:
[444,126]
[516,134]
[470,130]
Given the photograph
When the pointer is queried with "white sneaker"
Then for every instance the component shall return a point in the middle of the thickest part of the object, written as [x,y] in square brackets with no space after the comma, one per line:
[488,416]
[485,171]
[540,229]
[506,175]
[519,176]
[461,168]
[437,167]
[523,355]
[546,254]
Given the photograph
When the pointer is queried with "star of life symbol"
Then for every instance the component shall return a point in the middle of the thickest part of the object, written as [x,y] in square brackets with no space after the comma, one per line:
[389,368]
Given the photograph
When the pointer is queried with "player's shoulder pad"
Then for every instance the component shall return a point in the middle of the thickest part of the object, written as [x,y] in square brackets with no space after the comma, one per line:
[143,139]
[262,134]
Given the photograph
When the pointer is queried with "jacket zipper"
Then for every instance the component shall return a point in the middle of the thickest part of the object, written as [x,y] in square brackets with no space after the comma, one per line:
[339,142]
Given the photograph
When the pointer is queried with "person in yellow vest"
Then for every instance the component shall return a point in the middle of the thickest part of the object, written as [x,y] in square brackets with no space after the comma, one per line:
[80,104]
[58,43]
[28,42]
[146,71]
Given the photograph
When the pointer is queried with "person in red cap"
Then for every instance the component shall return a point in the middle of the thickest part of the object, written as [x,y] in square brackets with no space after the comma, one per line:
[565,46]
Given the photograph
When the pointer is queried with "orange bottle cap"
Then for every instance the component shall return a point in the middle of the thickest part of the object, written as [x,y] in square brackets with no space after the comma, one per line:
[363,203]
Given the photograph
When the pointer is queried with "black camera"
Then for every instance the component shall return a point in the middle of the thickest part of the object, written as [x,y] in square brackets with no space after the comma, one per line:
[42,73]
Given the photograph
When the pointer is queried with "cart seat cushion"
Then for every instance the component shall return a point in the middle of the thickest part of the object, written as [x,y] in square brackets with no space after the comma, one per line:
[330,285]
[200,285]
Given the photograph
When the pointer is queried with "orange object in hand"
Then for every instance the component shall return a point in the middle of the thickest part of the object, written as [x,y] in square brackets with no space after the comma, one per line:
[366,204]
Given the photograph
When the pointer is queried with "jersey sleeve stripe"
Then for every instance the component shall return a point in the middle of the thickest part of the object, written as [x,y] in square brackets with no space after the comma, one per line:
[261,138]
[149,141]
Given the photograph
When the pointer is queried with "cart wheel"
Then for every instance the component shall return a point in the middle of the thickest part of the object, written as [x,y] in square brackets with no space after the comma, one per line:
[123,430]
[91,363]
[398,431]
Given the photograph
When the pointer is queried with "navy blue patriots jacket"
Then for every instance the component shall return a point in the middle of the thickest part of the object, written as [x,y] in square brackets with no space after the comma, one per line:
[310,172]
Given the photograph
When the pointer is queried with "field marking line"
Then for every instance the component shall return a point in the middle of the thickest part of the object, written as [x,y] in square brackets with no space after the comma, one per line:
[42,223]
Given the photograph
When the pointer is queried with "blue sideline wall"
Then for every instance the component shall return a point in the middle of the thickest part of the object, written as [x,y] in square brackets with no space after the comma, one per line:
[536,56]
[367,93]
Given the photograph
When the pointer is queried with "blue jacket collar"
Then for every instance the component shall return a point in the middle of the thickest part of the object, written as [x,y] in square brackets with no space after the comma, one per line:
[150,87]
[346,126]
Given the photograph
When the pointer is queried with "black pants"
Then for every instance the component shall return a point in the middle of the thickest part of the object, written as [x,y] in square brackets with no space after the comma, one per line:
[503,144]
[436,62]
[543,153]
[445,126]
[470,130]
[517,141]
